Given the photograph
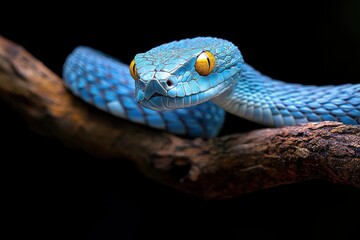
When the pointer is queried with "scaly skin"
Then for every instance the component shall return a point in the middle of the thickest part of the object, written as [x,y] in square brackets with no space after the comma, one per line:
[167,82]
[237,87]
[106,83]
[275,103]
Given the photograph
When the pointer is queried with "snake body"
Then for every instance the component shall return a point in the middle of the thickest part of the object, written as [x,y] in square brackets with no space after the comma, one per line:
[185,86]
[106,83]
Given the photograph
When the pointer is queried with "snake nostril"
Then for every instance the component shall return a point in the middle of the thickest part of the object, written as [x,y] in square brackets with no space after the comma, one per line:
[169,83]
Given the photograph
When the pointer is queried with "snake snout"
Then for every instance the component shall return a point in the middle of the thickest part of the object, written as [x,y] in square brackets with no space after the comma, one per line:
[154,88]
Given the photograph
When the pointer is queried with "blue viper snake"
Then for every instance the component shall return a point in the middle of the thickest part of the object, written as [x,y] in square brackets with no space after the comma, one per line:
[186,86]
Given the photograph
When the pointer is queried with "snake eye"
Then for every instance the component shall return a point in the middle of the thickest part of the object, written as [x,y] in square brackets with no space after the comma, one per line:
[205,63]
[133,70]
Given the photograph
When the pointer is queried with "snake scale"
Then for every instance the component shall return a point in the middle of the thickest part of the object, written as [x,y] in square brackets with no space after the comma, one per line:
[186,86]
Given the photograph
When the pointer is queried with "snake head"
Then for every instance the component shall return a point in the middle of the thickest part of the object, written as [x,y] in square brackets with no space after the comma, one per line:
[185,73]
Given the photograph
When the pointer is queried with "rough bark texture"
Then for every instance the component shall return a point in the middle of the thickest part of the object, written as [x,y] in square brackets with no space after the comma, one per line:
[217,168]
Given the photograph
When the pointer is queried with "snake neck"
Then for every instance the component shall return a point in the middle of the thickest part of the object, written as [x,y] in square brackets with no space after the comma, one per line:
[248,97]
[270,102]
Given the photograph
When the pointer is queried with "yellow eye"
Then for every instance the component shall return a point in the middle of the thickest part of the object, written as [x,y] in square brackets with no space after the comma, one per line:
[205,63]
[133,70]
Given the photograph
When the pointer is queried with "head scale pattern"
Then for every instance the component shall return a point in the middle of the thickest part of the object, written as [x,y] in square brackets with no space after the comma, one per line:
[167,78]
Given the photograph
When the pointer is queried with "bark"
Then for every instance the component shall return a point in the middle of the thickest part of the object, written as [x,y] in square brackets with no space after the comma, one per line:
[216,168]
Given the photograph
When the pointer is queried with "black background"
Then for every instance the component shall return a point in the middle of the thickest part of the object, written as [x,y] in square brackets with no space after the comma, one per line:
[51,191]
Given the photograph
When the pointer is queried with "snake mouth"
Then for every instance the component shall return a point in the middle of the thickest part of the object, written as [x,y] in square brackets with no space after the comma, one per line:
[163,103]
[156,95]
[160,102]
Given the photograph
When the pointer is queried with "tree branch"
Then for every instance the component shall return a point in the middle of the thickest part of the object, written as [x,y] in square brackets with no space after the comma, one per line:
[221,167]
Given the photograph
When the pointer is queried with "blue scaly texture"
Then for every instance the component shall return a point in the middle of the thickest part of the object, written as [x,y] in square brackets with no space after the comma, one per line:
[237,87]
[107,84]
[169,93]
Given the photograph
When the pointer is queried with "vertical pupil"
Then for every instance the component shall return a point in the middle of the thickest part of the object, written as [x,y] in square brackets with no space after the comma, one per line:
[134,69]
[208,60]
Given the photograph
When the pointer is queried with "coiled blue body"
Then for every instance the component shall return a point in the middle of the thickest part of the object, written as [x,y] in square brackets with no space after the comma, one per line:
[106,83]
[194,104]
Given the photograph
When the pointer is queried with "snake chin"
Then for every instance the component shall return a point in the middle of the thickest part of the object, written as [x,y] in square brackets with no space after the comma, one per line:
[165,103]
[159,102]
